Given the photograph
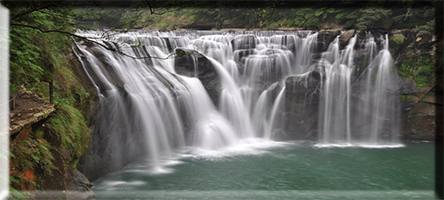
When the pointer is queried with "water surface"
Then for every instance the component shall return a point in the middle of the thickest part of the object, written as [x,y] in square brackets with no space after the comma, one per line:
[279,170]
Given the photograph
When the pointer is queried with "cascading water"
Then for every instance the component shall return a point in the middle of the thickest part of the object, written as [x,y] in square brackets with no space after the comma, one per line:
[152,105]
[336,102]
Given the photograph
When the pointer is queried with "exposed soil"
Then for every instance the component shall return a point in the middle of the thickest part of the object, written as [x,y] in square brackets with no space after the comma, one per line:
[29,109]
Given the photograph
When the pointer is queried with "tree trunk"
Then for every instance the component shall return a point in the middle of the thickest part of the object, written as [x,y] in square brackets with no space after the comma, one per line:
[12,103]
[51,92]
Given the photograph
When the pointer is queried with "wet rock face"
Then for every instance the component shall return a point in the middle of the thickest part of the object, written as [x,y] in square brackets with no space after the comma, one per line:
[299,112]
[345,37]
[243,42]
[307,84]
[325,38]
[104,155]
[419,121]
[193,64]
[80,187]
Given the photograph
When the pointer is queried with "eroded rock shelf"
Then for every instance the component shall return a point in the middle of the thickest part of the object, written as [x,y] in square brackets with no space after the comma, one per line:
[29,109]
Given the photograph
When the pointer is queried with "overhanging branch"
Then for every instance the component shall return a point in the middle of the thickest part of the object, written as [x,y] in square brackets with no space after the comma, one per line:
[88,39]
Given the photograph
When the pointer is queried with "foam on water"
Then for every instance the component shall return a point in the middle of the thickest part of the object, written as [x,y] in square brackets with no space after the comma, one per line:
[248,146]
[359,145]
[116,185]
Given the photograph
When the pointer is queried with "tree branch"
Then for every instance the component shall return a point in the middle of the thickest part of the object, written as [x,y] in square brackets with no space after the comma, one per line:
[33,9]
[88,39]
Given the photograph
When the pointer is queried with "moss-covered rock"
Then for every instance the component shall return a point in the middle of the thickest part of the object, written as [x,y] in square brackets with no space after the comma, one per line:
[418,68]
[396,41]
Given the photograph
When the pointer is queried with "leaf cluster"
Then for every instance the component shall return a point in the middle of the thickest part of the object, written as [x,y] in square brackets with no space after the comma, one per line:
[33,54]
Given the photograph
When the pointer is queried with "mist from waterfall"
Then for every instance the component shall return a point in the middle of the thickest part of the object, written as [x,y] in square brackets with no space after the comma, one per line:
[145,106]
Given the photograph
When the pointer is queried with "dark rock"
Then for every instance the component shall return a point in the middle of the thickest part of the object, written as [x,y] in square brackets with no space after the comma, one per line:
[419,122]
[103,64]
[243,42]
[240,55]
[299,112]
[421,128]
[406,86]
[325,38]
[193,64]
[79,187]
[108,139]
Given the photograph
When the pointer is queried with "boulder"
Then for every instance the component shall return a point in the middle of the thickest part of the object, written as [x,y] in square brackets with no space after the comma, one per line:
[345,37]
[79,187]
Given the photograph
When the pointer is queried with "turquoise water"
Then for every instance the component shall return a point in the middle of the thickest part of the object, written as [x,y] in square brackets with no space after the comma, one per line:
[280,170]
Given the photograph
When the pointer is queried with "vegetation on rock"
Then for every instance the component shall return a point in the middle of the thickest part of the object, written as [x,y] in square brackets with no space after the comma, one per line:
[41,60]
[420,68]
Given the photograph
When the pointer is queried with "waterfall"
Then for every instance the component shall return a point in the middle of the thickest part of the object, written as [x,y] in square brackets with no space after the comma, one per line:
[224,88]
[336,103]
[372,117]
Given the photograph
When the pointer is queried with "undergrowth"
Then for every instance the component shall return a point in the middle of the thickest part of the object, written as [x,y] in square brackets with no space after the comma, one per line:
[68,127]
[420,69]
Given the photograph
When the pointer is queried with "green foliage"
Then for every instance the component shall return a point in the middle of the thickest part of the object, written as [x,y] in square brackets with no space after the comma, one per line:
[34,54]
[370,17]
[274,15]
[68,90]
[30,154]
[41,89]
[427,28]
[420,69]
[103,18]
[68,126]
[39,58]
[15,194]
[421,81]
[23,58]
[396,41]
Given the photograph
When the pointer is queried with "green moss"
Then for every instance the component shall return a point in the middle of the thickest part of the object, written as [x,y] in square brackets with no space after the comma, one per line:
[421,81]
[397,39]
[420,69]
[396,42]
[407,97]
